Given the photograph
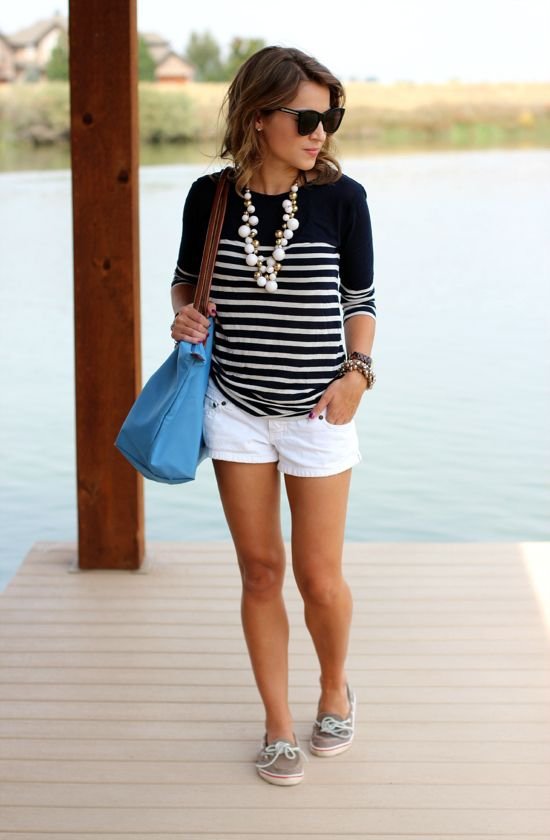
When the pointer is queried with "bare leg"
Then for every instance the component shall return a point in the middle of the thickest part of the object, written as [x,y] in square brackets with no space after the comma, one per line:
[250,495]
[318,507]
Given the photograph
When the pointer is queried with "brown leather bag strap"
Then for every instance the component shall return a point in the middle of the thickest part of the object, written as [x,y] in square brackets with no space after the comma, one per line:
[208,261]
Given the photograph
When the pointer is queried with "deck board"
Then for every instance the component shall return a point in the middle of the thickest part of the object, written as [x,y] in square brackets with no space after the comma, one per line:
[127,704]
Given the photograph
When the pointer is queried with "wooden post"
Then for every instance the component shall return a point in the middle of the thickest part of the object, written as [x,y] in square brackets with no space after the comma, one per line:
[105,150]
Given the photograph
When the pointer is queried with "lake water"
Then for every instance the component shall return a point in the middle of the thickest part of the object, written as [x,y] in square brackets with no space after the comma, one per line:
[455,432]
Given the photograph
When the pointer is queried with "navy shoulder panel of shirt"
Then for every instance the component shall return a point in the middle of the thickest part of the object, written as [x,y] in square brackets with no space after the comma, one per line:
[196,214]
[333,212]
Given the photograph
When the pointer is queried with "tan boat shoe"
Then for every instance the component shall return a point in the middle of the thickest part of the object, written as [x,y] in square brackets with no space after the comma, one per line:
[280,763]
[333,734]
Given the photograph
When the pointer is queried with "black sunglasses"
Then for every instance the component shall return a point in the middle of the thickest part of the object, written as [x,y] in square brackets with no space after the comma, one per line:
[308,120]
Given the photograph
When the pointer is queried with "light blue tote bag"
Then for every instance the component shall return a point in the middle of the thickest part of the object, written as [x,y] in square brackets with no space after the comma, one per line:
[162,434]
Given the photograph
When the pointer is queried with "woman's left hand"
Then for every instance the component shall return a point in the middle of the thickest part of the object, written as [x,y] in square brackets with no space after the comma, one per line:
[341,398]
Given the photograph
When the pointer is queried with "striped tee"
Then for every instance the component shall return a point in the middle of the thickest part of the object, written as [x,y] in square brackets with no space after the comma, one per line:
[276,353]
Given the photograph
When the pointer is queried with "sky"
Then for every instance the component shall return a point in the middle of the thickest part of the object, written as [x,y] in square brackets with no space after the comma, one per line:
[390,40]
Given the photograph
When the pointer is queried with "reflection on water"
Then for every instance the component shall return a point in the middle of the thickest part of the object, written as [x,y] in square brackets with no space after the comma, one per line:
[455,433]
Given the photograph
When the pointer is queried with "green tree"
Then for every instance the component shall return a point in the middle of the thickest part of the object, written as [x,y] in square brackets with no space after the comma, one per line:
[58,63]
[146,64]
[239,50]
[203,53]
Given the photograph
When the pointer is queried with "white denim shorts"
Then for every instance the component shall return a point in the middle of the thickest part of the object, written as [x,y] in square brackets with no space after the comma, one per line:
[299,445]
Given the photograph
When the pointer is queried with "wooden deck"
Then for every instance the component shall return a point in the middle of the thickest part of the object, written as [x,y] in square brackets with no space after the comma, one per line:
[128,708]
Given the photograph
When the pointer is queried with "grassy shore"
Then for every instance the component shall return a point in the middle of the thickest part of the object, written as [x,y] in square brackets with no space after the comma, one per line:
[378,115]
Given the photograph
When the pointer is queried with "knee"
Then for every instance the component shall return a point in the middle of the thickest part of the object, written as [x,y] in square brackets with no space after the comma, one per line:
[262,575]
[321,590]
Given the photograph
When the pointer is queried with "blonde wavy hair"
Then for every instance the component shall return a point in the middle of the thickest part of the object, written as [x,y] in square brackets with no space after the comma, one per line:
[269,79]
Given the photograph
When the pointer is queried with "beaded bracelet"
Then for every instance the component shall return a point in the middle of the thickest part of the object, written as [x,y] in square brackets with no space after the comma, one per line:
[361,356]
[362,367]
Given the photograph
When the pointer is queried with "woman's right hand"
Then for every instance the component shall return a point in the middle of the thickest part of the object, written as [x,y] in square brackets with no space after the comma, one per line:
[190,325]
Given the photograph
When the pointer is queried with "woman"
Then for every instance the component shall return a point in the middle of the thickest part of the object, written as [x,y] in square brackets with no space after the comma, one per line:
[294,270]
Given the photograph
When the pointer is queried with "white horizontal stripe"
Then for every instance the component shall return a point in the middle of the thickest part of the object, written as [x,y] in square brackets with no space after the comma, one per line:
[279,329]
[288,272]
[287,265]
[331,295]
[276,305]
[267,390]
[369,299]
[290,247]
[228,247]
[222,341]
[279,354]
[355,292]
[353,304]
[290,259]
[281,318]
[267,365]
[183,271]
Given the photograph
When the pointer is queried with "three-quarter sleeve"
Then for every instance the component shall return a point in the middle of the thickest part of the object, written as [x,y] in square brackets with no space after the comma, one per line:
[196,213]
[357,259]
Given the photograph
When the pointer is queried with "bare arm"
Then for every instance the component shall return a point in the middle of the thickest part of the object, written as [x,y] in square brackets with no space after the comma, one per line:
[182,294]
[359,332]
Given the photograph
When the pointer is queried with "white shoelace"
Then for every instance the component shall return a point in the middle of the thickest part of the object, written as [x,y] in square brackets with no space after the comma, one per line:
[338,728]
[281,748]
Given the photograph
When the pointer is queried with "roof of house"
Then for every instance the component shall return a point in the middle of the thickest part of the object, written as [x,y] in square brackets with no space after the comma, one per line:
[33,34]
[153,39]
[160,50]
[158,46]
[186,69]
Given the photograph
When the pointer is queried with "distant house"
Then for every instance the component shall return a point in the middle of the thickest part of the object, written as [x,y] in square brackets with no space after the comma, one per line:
[25,54]
[32,47]
[169,66]
[7,62]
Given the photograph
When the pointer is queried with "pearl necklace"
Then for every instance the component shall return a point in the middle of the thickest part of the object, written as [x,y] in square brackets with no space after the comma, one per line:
[268,269]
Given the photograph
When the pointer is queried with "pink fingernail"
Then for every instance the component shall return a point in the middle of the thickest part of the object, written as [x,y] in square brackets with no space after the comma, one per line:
[311,415]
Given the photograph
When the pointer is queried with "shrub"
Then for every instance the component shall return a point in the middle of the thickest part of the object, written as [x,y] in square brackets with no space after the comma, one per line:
[39,113]
[165,115]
